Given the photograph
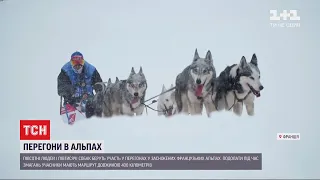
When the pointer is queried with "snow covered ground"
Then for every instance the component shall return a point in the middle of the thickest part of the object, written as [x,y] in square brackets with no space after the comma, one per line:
[37,38]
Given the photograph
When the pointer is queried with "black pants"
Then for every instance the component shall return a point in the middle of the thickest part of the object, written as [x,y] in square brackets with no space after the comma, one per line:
[89,108]
[71,100]
[74,100]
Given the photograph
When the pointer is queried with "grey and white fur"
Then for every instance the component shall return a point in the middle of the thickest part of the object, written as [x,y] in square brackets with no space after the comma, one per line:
[237,85]
[125,96]
[102,100]
[194,85]
[166,102]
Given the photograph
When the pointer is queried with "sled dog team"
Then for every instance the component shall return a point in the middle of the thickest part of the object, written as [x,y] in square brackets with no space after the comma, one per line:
[197,86]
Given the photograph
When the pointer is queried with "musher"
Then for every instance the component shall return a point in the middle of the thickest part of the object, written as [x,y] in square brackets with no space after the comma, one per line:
[76,82]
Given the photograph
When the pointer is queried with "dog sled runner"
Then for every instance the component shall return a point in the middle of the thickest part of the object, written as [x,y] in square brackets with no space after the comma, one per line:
[71,114]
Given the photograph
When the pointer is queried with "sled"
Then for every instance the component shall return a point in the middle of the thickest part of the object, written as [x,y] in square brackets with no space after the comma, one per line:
[71,114]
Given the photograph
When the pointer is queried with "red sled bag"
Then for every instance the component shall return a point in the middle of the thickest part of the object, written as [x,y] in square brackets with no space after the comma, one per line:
[71,114]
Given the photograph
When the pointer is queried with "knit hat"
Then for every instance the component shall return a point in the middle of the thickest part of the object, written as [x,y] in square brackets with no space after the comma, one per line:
[76,54]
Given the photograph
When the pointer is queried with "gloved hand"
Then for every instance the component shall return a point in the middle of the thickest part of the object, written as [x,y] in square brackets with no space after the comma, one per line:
[85,96]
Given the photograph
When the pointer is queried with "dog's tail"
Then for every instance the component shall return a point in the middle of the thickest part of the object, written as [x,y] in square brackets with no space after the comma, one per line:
[103,85]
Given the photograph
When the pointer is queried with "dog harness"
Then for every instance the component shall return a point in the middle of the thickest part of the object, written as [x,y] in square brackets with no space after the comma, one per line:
[236,87]
[167,110]
[232,84]
[236,99]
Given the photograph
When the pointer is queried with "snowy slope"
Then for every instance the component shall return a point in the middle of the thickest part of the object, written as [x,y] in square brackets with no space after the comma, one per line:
[37,38]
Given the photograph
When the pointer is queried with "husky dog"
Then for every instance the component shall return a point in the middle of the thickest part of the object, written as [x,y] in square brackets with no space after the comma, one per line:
[102,99]
[238,84]
[166,102]
[126,96]
[194,84]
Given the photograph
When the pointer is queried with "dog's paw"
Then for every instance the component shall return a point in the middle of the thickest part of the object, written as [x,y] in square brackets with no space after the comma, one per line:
[237,108]
[250,109]
[237,112]
[250,112]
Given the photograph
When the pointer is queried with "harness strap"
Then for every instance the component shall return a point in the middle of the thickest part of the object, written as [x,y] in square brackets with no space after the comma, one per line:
[151,107]
[154,101]
[166,110]
[159,94]
[236,99]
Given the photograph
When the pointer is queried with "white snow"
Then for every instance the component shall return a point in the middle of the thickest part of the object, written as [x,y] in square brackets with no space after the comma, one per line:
[37,37]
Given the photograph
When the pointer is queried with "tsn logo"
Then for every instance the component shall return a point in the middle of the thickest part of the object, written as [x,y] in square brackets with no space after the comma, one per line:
[34,129]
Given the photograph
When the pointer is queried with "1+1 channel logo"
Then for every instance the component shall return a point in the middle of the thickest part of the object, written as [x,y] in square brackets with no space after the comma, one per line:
[285,19]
